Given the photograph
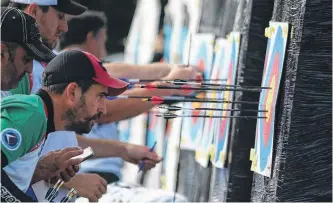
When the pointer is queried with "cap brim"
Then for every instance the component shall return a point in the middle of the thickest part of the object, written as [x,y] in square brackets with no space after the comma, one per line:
[70,7]
[39,51]
[115,86]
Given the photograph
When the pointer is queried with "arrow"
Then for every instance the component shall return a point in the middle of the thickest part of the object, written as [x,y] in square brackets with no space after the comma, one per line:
[171,116]
[160,100]
[182,82]
[188,88]
[168,81]
[177,108]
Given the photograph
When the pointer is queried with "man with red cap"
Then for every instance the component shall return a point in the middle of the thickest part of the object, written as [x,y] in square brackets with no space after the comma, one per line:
[70,100]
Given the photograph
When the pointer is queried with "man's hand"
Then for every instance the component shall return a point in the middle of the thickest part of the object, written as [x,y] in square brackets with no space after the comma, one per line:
[90,186]
[58,164]
[136,153]
[182,73]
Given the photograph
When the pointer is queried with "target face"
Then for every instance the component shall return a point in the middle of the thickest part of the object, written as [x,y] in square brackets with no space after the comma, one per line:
[167,30]
[230,68]
[124,130]
[197,123]
[203,150]
[265,69]
[201,56]
[271,78]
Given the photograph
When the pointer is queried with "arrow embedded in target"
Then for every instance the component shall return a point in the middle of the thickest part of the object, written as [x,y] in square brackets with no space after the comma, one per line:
[190,88]
[171,116]
[170,81]
[161,99]
[186,82]
[177,108]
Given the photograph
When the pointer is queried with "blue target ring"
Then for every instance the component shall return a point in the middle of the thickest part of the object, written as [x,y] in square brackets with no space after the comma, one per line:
[125,135]
[260,107]
[181,43]
[221,139]
[167,40]
[151,135]
[278,49]
[197,123]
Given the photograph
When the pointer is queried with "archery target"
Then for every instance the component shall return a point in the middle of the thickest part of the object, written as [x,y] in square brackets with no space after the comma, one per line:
[201,55]
[265,67]
[203,151]
[172,157]
[123,129]
[230,68]
[220,62]
[156,132]
[278,33]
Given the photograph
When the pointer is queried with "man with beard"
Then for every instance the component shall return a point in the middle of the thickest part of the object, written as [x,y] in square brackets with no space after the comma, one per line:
[51,21]
[69,100]
[87,32]
[20,43]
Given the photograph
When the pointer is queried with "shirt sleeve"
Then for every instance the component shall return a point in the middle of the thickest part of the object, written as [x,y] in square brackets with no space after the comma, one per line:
[23,125]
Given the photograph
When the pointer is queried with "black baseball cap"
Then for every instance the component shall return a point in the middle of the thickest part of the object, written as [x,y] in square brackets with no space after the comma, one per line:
[17,26]
[70,7]
[66,6]
[76,65]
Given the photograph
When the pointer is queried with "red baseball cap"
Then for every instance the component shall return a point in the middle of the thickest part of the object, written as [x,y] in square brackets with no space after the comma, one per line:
[76,65]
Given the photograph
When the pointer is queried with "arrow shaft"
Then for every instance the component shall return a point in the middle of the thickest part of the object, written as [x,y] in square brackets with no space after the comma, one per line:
[215,85]
[203,116]
[214,109]
[169,116]
[157,80]
[201,88]
[182,99]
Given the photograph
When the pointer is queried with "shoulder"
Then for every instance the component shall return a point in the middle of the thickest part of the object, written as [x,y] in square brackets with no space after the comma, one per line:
[22,106]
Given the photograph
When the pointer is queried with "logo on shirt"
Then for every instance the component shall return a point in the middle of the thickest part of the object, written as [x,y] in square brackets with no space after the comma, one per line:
[11,139]
[7,196]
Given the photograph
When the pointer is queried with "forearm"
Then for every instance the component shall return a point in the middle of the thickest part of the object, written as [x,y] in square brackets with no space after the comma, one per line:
[120,109]
[103,148]
[151,71]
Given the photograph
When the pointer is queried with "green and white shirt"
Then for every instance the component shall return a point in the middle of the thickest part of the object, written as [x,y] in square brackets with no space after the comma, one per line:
[23,130]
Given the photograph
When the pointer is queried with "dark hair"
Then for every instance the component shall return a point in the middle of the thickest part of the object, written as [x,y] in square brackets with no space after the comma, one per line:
[80,26]
[60,88]
[20,6]
[11,48]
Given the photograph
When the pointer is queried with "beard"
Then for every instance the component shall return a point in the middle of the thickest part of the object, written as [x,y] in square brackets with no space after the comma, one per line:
[9,78]
[76,119]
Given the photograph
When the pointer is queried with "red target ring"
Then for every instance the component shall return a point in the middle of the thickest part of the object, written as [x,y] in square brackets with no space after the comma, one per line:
[269,104]
[201,65]
[152,122]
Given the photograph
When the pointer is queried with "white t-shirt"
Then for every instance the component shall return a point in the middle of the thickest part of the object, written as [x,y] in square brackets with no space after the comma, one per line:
[37,76]
[68,139]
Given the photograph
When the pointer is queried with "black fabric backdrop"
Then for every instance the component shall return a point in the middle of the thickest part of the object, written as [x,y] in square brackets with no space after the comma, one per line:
[303,150]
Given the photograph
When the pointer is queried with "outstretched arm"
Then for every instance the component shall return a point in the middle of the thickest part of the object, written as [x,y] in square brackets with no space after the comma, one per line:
[151,71]
[120,109]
